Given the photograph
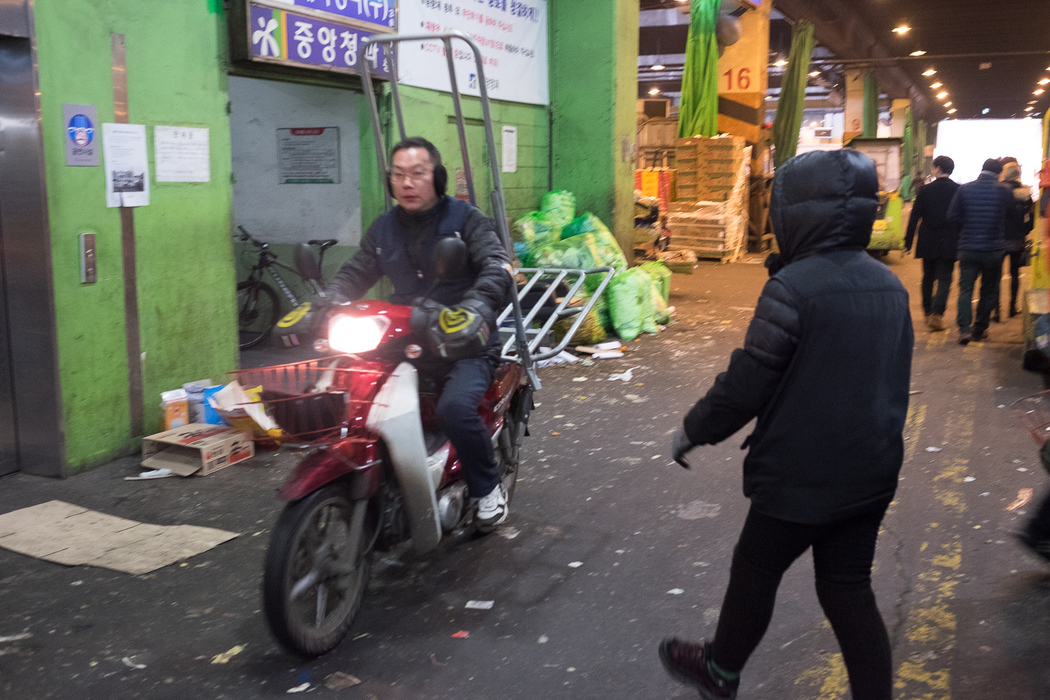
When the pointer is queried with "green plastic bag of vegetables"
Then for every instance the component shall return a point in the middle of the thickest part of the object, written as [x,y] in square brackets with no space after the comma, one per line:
[588,223]
[559,206]
[644,284]
[624,309]
[535,231]
[661,275]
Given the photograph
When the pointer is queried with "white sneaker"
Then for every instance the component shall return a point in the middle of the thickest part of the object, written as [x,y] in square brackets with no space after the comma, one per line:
[492,510]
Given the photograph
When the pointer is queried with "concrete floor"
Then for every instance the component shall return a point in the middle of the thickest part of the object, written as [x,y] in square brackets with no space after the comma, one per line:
[968,610]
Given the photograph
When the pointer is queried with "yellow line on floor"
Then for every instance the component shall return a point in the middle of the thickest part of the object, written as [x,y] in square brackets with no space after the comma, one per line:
[829,677]
[924,672]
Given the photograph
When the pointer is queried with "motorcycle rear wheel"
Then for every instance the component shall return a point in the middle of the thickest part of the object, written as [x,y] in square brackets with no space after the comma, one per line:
[317,570]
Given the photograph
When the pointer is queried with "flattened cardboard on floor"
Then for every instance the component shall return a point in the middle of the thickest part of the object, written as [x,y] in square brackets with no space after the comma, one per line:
[197,448]
[67,534]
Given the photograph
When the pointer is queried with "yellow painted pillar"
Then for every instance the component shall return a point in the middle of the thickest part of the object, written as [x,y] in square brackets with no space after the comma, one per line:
[898,113]
[854,110]
[743,79]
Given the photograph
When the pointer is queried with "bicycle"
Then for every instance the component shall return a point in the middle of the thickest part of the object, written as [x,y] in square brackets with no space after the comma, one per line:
[258,307]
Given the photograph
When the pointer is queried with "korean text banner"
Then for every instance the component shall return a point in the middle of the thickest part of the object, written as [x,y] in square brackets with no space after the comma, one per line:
[290,38]
[369,12]
[512,36]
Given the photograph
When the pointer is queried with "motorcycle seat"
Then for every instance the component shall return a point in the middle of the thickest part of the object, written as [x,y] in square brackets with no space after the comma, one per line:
[325,243]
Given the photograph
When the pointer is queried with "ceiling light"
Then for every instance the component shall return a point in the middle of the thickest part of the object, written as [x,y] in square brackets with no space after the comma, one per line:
[781,63]
[928,72]
[985,110]
[941,95]
[1029,108]
[656,67]
[1032,102]
[814,74]
[934,86]
[1044,81]
[654,91]
[917,53]
[947,104]
[1040,91]
[952,110]
[901,30]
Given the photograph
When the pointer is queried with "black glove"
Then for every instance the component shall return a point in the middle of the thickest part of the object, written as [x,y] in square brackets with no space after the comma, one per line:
[452,332]
[680,445]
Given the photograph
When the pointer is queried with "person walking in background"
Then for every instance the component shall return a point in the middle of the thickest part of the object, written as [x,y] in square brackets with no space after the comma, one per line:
[937,242]
[980,208]
[825,367]
[1019,222]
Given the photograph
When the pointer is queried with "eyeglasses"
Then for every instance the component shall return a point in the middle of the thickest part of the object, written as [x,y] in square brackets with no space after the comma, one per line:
[420,175]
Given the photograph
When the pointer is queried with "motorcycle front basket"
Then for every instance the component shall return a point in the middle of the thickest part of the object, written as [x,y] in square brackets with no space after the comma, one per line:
[316,401]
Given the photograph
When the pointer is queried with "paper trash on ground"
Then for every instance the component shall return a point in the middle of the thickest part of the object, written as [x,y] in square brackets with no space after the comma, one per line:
[480,604]
[625,376]
[239,410]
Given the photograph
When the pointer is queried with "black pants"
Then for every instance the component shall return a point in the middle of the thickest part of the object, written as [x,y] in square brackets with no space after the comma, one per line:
[988,265]
[940,271]
[457,413]
[842,555]
[1014,256]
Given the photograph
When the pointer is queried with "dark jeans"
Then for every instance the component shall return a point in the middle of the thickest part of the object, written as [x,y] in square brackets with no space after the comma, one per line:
[989,265]
[940,271]
[1015,275]
[457,414]
[842,555]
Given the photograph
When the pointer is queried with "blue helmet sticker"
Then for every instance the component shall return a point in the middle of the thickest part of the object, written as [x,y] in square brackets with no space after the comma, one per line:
[81,130]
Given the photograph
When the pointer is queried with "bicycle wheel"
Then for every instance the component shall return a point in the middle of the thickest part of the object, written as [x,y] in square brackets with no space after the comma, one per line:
[257,312]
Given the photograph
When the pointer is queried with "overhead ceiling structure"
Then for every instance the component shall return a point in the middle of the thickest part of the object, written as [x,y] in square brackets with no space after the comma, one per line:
[989,56]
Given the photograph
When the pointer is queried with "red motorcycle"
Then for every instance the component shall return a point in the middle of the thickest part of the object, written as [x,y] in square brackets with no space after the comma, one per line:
[377,470]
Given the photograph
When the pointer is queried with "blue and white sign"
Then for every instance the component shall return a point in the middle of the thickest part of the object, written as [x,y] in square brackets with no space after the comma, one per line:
[377,15]
[81,136]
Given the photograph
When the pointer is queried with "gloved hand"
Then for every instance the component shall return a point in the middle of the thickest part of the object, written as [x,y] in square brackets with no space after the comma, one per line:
[451,332]
[680,445]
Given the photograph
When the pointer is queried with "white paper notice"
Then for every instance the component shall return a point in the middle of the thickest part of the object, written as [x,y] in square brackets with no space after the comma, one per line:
[510,149]
[127,166]
[180,154]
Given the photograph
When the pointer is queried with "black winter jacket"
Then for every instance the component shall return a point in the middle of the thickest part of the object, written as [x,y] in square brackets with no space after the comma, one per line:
[937,237]
[385,251]
[826,361]
[1022,215]
[980,208]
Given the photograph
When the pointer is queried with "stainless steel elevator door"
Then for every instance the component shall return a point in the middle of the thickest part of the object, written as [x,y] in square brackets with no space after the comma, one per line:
[12,54]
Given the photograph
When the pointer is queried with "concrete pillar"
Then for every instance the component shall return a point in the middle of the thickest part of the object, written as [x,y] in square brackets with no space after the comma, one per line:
[743,78]
[854,105]
[898,113]
[593,88]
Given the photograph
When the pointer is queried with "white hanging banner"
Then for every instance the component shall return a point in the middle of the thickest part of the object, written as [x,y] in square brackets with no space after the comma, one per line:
[512,36]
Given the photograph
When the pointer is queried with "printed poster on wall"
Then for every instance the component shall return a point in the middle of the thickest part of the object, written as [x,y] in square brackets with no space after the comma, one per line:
[127,165]
[180,154]
[81,140]
[512,36]
[308,156]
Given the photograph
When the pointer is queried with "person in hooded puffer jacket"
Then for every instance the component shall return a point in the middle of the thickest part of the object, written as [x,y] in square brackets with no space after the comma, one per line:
[825,368]
[1019,222]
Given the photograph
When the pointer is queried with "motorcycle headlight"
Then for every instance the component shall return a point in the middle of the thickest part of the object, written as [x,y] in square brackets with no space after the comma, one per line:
[353,334]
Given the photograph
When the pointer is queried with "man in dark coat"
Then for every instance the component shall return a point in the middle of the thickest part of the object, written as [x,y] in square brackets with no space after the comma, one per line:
[980,208]
[825,368]
[937,242]
[400,244]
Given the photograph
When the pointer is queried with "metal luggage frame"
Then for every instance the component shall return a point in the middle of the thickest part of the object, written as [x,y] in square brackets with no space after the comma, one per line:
[524,345]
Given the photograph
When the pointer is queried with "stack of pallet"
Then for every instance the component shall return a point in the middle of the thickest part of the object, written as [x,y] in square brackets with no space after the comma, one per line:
[710,215]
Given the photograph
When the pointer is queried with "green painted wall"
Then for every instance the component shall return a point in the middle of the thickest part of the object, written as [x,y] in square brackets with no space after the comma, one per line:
[593,79]
[176,56]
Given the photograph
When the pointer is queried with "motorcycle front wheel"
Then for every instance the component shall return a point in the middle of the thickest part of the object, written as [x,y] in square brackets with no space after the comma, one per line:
[317,569]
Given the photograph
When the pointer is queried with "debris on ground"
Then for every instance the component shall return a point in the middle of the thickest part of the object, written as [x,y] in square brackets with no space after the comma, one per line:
[1023,497]
[342,681]
[675,591]
[933,449]
[161,473]
[462,634]
[129,661]
[302,688]
[224,658]
[624,376]
[479,604]
[575,564]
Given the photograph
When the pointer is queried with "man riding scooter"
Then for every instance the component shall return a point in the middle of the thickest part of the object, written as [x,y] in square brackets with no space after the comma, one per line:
[458,321]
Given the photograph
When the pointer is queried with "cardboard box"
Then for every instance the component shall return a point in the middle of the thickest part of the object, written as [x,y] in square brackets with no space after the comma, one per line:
[197,448]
